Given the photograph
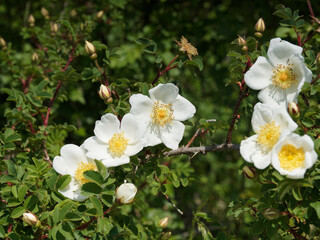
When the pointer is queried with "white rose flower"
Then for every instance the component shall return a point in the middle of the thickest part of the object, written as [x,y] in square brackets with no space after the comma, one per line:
[270,125]
[293,155]
[126,192]
[281,75]
[73,161]
[114,144]
[162,113]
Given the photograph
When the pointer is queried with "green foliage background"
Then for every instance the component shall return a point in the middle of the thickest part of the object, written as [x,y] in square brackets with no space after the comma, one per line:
[210,189]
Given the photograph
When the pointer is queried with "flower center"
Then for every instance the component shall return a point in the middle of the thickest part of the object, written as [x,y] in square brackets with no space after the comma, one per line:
[118,144]
[283,76]
[291,157]
[268,135]
[82,167]
[161,113]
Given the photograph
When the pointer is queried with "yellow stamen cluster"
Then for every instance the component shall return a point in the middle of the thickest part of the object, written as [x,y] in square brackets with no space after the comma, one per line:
[283,76]
[82,167]
[291,157]
[268,135]
[118,144]
[185,46]
[161,114]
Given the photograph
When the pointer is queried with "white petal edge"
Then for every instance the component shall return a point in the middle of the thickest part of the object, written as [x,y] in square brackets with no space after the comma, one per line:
[72,191]
[259,75]
[141,107]
[71,156]
[106,127]
[262,114]
[167,93]
[171,136]
[114,162]
[247,147]
[95,148]
[183,109]
[279,51]
[132,128]
[151,136]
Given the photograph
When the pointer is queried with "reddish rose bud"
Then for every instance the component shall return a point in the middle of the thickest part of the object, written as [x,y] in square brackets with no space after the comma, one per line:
[241,41]
[164,222]
[294,109]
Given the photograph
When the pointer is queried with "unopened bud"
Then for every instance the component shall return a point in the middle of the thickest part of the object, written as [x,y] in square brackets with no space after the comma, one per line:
[249,172]
[258,34]
[260,26]
[100,14]
[126,192]
[110,100]
[2,42]
[45,13]
[34,57]
[242,41]
[104,92]
[293,109]
[89,48]
[54,27]
[163,222]
[30,219]
[166,236]
[271,213]
[244,48]
[31,20]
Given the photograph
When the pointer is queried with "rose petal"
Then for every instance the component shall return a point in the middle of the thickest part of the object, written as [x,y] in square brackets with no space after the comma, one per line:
[108,126]
[167,93]
[182,109]
[259,75]
[171,136]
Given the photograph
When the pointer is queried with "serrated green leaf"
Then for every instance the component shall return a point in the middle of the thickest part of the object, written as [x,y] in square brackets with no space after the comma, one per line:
[17,212]
[93,176]
[90,188]
[63,181]
[11,167]
[97,204]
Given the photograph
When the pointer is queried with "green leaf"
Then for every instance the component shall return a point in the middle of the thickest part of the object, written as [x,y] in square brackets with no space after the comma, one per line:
[102,169]
[97,204]
[316,206]
[63,181]
[11,167]
[65,209]
[31,203]
[144,41]
[90,188]
[18,212]
[195,62]
[93,176]
[22,191]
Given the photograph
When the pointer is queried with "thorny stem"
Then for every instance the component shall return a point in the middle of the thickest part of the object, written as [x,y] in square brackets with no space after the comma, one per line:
[308,38]
[167,197]
[165,70]
[71,55]
[51,102]
[204,149]
[242,95]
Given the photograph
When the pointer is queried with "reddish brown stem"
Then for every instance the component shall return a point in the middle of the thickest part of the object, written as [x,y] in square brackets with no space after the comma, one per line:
[242,95]
[85,225]
[308,38]
[71,56]
[310,8]
[315,79]
[51,102]
[298,37]
[165,70]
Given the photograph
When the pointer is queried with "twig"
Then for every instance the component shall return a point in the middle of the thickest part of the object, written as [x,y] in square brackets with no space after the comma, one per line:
[46,158]
[165,70]
[204,149]
[51,102]
[308,38]
[71,56]
[315,79]
[310,8]
[298,36]
[103,73]
[242,95]
[166,196]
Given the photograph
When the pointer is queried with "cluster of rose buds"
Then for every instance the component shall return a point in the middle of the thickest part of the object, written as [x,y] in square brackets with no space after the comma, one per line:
[105,93]
[90,50]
